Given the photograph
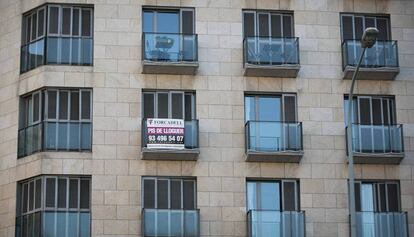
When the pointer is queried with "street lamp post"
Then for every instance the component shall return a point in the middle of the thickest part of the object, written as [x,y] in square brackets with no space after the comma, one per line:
[368,40]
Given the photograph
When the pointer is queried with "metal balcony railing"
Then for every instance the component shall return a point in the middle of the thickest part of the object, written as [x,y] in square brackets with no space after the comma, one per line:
[377,139]
[270,50]
[268,223]
[170,222]
[384,224]
[383,54]
[55,136]
[271,136]
[56,50]
[169,47]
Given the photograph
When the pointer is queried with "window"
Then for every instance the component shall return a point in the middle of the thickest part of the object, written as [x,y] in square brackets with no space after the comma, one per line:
[381,196]
[169,34]
[169,193]
[353,26]
[57,34]
[53,206]
[374,127]
[267,24]
[55,119]
[274,195]
[271,122]
[169,104]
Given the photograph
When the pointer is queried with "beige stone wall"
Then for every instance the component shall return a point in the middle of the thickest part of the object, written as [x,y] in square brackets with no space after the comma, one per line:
[115,163]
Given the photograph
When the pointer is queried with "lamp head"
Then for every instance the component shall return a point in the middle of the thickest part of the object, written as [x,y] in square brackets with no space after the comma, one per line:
[369,37]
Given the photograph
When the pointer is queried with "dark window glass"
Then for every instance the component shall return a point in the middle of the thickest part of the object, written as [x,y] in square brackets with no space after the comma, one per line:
[347,27]
[62,193]
[86,104]
[357,196]
[63,105]
[24,30]
[290,109]
[75,22]
[25,196]
[29,28]
[393,197]
[36,107]
[162,194]
[382,26]
[31,195]
[34,26]
[73,193]
[376,111]
[149,193]
[162,105]
[175,194]
[369,22]
[385,108]
[276,25]
[51,106]
[359,27]
[177,105]
[188,107]
[188,194]
[38,194]
[365,111]
[187,22]
[86,22]
[382,202]
[263,25]
[54,20]
[287,26]
[149,105]
[249,24]
[74,105]
[41,27]
[50,192]
[84,193]
[289,198]
[66,21]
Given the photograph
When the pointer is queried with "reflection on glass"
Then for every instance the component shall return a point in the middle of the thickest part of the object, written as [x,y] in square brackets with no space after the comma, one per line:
[264,223]
[170,47]
[271,51]
[387,224]
[171,222]
[382,54]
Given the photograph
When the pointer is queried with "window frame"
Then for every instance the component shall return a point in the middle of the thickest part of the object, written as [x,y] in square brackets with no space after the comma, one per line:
[389,99]
[269,13]
[364,16]
[281,192]
[377,196]
[155,93]
[169,179]
[179,10]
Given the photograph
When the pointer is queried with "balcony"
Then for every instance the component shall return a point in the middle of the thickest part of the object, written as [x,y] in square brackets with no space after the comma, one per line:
[191,147]
[169,222]
[56,51]
[266,223]
[377,144]
[379,63]
[167,53]
[268,141]
[55,136]
[385,224]
[271,57]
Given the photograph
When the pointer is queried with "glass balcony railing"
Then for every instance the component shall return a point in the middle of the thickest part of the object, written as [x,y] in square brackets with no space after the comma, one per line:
[55,136]
[190,134]
[56,50]
[270,136]
[169,222]
[384,224]
[169,47]
[382,54]
[270,50]
[377,138]
[267,223]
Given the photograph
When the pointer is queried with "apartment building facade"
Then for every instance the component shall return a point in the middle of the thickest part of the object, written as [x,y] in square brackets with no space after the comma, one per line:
[204,118]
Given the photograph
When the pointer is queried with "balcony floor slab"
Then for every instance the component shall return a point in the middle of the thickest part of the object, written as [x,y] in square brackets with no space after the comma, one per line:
[378,158]
[174,68]
[275,157]
[379,73]
[284,70]
[170,154]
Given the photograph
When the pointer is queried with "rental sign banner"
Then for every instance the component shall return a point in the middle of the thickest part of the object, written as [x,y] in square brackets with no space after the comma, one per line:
[165,133]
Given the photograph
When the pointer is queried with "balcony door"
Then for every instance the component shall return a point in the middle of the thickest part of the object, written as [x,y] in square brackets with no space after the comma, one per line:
[375,130]
[266,34]
[353,27]
[271,118]
[271,205]
[169,34]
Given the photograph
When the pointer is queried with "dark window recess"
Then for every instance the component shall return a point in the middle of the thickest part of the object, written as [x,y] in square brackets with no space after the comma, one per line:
[149,193]
[166,104]
[267,24]
[353,26]
[377,196]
